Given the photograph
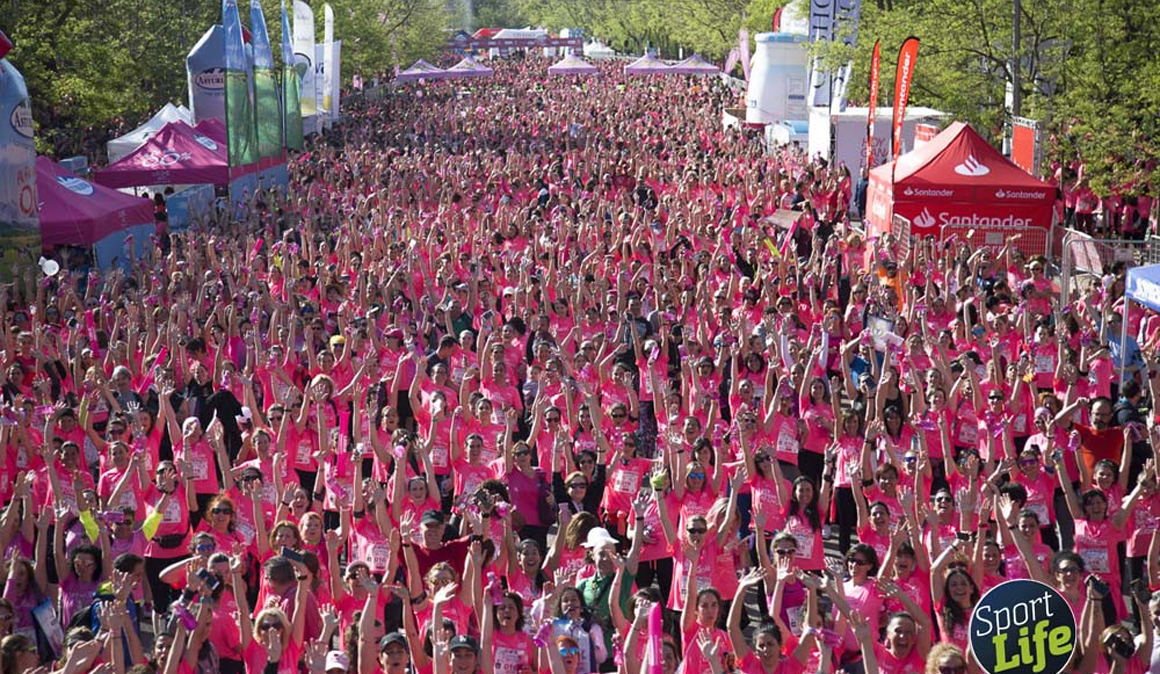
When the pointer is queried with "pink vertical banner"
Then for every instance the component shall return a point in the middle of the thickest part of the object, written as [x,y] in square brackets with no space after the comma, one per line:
[151,375]
[654,656]
[731,60]
[743,44]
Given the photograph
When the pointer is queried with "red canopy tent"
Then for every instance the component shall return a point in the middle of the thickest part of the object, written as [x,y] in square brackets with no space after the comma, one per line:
[958,181]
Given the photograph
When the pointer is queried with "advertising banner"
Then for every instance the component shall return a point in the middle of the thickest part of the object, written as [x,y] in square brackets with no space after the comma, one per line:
[904,75]
[240,132]
[291,108]
[875,62]
[268,110]
[19,221]
[327,59]
[304,57]
[205,70]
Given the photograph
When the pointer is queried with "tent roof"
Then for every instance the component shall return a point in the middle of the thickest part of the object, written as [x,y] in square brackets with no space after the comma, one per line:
[694,65]
[469,67]
[645,65]
[212,127]
[119,147]
[572,65]
[959,156]
[76,212]
[520,34]
[176,155]
[421,70]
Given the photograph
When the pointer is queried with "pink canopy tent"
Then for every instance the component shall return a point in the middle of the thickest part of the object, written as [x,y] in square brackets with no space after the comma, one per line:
[469,67]
[176,155]
[421,71]
[694,65]
[212,127]
[572,65]
[75,212]
[647,65]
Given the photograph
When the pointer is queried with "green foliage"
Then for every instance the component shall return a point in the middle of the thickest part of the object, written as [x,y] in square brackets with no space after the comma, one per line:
[91,63]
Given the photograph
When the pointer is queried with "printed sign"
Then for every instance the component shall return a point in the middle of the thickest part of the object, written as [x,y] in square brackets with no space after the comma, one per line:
[1022,627]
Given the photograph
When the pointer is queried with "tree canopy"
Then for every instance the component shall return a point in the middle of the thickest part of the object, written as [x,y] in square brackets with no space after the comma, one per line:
[89,64]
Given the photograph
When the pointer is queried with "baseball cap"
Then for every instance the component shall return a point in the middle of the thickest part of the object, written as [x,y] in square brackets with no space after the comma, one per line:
[463,641]
[598,537]
[392,638]
[337,660]
[432,517]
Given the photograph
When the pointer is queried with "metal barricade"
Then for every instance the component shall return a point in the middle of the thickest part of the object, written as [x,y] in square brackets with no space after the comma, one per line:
[1032,241]
[1085,257]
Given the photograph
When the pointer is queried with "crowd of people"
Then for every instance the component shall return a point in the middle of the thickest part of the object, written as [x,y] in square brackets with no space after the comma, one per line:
[523,376]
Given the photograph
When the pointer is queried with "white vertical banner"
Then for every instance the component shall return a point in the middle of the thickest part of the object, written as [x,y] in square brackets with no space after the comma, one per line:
[327,61]
[319,80]
[335,74]
[304,60]
[830,20]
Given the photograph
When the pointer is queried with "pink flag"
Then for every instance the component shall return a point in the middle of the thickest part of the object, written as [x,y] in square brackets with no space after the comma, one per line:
[743,40]
[731,60]
[654,656]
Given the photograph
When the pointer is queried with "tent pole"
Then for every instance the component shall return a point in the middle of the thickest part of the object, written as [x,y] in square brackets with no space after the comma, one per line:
[1124,341]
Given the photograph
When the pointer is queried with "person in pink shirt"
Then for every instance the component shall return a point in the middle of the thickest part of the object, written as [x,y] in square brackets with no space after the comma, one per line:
[772,652]
[270,637]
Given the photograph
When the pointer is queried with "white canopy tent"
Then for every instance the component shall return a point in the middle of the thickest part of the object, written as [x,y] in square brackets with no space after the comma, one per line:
[119,147]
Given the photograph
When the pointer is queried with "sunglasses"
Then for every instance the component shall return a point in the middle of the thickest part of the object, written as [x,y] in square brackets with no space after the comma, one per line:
[552,420]
[618,415]
[222,511]
[206,547]
[760,459]
[857,562]
[578,485]
[522,452]
[994,397]
[785,552]
[275,420]
[1028,462]
[696,530]
[952,669]
[266,627]
[570,650]
[910,459]
[696,476]
[1067,569]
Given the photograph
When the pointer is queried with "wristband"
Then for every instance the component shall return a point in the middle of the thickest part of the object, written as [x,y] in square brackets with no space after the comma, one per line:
[826,477]
[319,495]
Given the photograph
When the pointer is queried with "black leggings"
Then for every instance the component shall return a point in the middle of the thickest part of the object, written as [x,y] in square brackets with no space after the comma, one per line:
[845,516]
[162,592]
[811,464]
[658,572]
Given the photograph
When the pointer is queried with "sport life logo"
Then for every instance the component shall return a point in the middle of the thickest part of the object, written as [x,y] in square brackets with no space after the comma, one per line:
[1022,627]
[972,167]
[74,184]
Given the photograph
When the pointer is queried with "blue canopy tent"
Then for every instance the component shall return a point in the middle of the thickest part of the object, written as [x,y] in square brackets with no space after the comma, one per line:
[1143,288]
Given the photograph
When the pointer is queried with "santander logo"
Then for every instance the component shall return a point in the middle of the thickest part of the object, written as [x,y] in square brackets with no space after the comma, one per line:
[924,219]
[972,167]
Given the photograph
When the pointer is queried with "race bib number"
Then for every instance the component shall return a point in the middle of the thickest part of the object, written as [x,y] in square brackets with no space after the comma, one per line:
[304,451]
[1040,510]
[1044,364]
[1095,560]
[626,481]
[247,531]
[787,444]
[200,468]
[439,456]
[172,514]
